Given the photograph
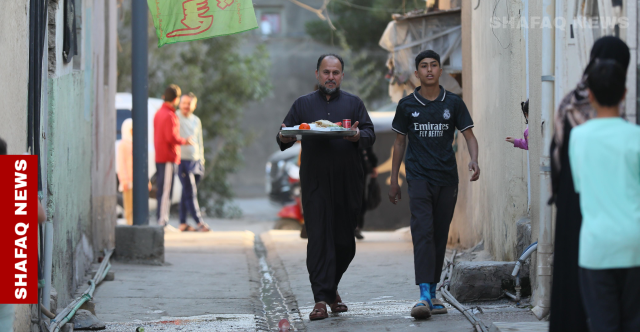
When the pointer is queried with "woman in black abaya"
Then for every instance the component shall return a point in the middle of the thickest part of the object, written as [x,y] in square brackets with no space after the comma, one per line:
[567,309]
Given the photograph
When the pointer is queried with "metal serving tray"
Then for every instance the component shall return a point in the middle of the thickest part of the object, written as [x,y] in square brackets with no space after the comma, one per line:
[318,133]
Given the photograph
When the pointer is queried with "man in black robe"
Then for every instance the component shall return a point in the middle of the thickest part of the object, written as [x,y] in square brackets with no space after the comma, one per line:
[332,181]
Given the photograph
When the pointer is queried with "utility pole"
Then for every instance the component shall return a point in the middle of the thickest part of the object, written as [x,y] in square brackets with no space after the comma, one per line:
[139,112]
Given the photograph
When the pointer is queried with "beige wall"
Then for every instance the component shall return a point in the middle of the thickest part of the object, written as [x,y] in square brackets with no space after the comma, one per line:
[14,70]
[492,205]
[465,230]
[103,184]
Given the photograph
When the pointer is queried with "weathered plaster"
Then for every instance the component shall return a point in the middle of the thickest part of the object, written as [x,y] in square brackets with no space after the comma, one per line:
[493,204]
[14,70]
[103,184]
[69,175]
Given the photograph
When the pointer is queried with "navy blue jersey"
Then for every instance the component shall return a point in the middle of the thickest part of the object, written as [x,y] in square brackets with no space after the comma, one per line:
[430,127]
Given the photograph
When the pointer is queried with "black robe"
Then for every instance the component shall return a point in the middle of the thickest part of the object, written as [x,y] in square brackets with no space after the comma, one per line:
[567,308]
[332,181]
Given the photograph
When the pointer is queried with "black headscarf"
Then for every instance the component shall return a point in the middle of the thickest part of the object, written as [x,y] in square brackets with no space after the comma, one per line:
[574,108]
[609,47]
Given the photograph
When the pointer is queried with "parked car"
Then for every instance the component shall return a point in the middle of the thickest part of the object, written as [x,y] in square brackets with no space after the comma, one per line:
[123,112]
[282,163]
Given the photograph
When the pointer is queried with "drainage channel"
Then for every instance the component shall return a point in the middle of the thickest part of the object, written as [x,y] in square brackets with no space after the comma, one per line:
[274,304]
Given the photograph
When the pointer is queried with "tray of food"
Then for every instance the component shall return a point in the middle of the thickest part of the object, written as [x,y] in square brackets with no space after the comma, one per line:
[318,128]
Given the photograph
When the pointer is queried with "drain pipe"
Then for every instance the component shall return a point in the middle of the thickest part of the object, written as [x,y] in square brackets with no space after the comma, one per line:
[516,272]
[48,260]
[67,314]
[443,287]
[545,246]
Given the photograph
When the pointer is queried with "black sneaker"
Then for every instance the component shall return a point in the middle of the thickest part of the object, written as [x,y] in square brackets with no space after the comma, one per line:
[358,234]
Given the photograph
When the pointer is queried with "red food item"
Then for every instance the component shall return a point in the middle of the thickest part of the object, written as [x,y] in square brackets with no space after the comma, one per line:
[339,124]
[304,126]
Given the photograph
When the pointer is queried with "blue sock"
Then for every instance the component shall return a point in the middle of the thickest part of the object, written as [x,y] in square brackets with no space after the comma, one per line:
[433,289]
[433,295]
[425,294]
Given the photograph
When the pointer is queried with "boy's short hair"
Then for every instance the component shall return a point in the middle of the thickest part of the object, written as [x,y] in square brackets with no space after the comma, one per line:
[606,81]
[3,147]
[427,54]
[172,92]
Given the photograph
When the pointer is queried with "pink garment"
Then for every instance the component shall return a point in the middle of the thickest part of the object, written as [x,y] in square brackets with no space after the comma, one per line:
[522,143]
[125,157]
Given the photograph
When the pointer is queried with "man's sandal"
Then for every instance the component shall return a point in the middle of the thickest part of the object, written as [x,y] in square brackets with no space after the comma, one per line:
[319,312]
[186,228]
[421,310]
[338,306]
[202,227]
[438,311]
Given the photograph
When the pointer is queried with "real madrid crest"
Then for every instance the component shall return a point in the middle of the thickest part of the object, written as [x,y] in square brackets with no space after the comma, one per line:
[446,114]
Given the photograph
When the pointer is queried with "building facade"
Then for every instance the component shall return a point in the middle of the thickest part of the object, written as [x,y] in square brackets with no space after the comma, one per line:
[513,51]
[74,124]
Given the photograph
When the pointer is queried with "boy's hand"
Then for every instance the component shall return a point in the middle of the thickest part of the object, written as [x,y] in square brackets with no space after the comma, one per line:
[395,194]
[473,166]
[42,215]
[510,139]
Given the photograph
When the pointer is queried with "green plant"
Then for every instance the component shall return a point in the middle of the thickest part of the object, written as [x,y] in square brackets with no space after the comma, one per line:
[224,79]
[359,26]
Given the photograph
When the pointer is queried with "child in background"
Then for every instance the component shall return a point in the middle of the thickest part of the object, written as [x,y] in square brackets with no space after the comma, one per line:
[125,169]
[522,143]
[604,155]
[6,310]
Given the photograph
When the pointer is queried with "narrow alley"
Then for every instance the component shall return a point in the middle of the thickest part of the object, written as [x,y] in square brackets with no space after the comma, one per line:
[246,276]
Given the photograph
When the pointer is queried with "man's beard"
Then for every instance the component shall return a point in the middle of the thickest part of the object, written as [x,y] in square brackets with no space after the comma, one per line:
[328,91]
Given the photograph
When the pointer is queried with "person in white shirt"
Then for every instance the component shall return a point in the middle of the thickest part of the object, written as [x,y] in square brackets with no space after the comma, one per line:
[191,164]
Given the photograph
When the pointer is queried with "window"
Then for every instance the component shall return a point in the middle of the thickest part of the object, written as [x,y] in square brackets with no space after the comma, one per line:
[70,42]
[270,24]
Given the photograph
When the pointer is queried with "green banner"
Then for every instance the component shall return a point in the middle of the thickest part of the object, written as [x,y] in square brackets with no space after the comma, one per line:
[186,20]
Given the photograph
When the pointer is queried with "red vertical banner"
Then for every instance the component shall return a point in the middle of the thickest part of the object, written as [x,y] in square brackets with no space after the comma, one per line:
[19,229]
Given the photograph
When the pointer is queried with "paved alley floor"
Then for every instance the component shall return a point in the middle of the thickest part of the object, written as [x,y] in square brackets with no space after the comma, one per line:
[245,276]
[204,274]
[379,287]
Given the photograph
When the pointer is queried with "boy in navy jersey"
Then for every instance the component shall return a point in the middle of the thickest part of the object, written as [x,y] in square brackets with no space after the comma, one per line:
[430,116]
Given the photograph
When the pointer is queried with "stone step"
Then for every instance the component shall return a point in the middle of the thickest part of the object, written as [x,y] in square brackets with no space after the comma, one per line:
[519,327]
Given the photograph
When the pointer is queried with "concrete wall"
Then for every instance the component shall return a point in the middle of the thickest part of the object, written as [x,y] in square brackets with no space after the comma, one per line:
[14,70]
[494,203]
[69,175]
[80,149]
[69,152]
[293,63]
[465,230]
[103,186]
